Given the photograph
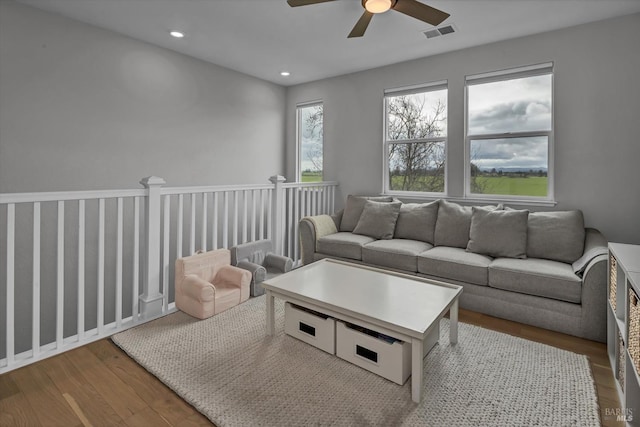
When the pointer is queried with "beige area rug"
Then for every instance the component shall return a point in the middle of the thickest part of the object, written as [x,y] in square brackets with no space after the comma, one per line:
[234,374]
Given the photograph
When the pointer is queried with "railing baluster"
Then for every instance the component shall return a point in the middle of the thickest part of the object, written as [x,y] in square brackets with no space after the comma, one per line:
[269,215]
[234,238]
[136,264]
[244,215]
[225,220]
[11,222]
[100,318]
[35,315]
[192,235]
[166,236]
[81,281]
[203,235]
[60,277]
[179,227]
[119,263]
[214,244]
[253,215]
[296,219]
[261,215]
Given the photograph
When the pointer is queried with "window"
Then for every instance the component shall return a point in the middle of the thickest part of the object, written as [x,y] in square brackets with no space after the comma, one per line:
[415,139]
[509,133]
[310,142]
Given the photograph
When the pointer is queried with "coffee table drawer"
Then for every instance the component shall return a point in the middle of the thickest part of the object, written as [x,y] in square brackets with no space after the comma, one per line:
[390,359]
[311,327]
[381,355]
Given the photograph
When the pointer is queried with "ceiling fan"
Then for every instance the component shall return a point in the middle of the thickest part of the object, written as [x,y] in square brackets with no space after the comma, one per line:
[412,8]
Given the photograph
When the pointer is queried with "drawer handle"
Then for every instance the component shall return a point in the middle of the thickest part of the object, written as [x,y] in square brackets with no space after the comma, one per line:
[366,353]
[307,329]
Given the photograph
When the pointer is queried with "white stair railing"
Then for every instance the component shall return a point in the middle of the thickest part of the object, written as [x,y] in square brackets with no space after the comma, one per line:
[79,266]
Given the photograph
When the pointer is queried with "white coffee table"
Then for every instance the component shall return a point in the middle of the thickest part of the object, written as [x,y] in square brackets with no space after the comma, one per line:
[398,305]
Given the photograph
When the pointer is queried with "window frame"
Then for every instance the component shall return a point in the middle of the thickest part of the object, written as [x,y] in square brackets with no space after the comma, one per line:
[299,107]
[410,90]
[504,75]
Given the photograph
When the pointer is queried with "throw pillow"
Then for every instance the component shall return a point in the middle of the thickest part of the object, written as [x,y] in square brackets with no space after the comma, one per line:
[417,221]
[353,210]
[558,236]
[453,224]
[378,219]
[498,233]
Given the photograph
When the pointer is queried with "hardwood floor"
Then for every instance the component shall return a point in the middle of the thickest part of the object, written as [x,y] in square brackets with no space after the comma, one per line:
[98,384]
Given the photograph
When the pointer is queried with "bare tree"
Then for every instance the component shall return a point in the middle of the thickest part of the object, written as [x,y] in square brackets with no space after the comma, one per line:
[416,166]
[313,137]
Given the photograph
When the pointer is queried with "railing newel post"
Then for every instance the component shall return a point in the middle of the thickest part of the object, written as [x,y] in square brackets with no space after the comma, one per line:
[151,300]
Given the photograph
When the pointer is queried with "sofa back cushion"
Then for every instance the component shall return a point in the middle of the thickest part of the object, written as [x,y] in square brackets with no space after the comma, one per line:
[453,224]
[378,219]
[557,236]
[417,221]
[498,233]
[353,210]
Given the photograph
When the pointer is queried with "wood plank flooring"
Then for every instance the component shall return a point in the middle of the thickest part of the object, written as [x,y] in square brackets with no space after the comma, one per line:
[99,385]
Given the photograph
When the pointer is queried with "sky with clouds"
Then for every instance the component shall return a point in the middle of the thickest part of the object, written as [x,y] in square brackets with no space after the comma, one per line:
[517,105]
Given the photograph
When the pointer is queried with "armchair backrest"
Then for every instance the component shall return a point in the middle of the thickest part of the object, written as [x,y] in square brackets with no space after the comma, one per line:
[204,265]
[253,252]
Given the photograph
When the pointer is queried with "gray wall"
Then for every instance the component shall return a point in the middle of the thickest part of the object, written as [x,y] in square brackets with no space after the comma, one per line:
[85,108]
[597,108]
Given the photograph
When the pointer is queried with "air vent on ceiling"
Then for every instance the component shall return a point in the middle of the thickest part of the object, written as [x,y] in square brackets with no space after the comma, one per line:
[440,31]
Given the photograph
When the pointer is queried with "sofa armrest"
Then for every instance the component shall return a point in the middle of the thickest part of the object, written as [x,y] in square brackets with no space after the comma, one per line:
[595,244]
[279,262]
[312,228]
[594,299]
[258,272]
[196,288]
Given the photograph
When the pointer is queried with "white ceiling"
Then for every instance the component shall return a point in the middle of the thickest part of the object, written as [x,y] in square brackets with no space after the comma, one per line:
[264,37]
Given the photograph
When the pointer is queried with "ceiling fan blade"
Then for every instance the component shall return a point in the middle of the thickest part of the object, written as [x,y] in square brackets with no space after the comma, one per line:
[296,3]
[361,25]
[421,11]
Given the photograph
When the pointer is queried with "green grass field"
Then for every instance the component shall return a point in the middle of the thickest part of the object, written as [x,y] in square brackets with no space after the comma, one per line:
[511,186]
[532,186]
[311,176]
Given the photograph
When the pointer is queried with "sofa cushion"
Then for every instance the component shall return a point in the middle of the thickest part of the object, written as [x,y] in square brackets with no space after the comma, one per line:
[353,210]
[453,224]
[417,221]
[498,233]
[455,264]
[557,236]
[343,244]
[540,277]
[400,254]
[378,219]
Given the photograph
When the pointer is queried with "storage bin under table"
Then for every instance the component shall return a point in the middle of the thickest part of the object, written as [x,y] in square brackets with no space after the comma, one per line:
[310,326]
[382,355]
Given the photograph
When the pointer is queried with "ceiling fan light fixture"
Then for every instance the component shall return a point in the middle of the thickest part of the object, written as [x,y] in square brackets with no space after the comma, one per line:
[377,6]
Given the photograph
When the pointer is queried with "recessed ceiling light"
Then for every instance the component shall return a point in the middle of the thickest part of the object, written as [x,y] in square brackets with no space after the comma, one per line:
[177,34]
[285,73]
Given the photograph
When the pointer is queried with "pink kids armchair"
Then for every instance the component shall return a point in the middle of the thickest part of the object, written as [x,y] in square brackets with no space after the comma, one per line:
[207,284]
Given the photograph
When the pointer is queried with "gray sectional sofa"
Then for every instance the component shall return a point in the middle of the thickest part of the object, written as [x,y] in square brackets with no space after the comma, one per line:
[540,268]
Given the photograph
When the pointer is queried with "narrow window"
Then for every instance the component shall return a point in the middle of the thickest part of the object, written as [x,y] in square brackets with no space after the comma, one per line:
[415,139]
[310,142]
[509,134]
